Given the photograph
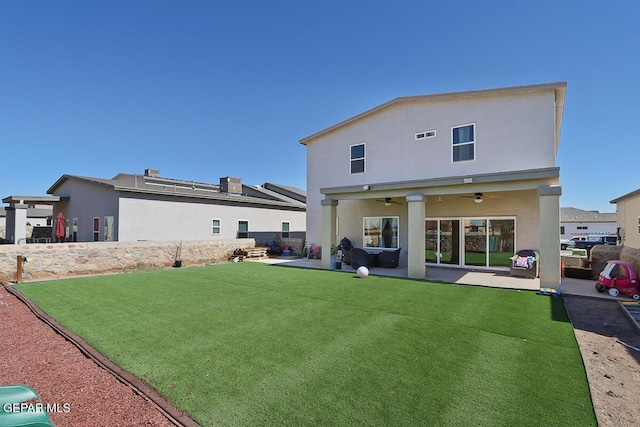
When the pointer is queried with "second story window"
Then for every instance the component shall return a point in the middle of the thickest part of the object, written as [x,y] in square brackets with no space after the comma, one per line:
[357,158]
[463,141]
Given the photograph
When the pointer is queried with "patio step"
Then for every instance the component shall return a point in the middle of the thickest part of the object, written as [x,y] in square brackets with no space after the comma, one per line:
[632,310]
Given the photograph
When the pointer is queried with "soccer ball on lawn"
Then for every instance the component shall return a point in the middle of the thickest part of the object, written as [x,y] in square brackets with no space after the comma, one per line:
[362,272]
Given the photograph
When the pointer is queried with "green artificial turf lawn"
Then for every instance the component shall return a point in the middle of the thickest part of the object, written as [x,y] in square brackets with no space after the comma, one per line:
[254,344]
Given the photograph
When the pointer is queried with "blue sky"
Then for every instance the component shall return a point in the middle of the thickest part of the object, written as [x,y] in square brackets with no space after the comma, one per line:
[205,89]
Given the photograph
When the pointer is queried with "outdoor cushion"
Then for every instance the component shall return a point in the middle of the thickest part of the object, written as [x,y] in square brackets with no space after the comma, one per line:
[524,263]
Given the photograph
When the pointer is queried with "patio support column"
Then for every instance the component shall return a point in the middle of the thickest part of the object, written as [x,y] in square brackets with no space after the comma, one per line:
[549,235]
[16,223]
[328,239]
[415,235]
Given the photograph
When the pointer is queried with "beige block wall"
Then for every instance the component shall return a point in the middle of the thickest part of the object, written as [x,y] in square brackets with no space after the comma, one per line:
[59,260]
[600,254]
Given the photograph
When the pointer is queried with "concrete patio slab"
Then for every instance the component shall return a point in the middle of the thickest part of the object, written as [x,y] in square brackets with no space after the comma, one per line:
[495,279]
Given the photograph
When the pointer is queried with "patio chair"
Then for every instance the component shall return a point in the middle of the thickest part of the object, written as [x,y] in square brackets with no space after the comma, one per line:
[346,246]
[389,259]
[314,251]
[524,263]
[360,257]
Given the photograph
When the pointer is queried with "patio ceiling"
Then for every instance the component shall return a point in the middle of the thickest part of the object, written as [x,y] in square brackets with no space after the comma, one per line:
[461,185]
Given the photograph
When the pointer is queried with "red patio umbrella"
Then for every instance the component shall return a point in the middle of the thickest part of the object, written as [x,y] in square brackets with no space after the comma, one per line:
[61,227]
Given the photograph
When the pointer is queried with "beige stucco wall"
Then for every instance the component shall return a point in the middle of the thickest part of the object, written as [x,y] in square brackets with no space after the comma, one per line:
[51,261]
[521,205]
[628,211]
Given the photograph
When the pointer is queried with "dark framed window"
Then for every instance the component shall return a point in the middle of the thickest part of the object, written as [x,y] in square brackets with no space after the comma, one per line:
[463,141]
[357,153]
[285,229]
[243,229]
[380,232]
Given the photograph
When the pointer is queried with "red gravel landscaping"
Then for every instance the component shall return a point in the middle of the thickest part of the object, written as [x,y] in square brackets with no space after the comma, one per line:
[32,353]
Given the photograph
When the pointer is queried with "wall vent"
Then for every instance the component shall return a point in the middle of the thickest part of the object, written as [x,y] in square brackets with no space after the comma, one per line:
[425,134]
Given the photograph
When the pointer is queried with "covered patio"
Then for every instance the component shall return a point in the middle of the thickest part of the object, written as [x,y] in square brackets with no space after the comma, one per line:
[493,279]
[438,221]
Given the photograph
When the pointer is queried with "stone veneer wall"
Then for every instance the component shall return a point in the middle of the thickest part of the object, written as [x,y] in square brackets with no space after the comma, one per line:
[57,260]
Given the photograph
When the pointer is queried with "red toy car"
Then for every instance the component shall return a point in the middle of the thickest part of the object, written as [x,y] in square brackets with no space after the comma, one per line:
[619,277]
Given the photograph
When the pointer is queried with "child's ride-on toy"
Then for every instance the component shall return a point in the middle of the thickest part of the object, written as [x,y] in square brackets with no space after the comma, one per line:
[619,277]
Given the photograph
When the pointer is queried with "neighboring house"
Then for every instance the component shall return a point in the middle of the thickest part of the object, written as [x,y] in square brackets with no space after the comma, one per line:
[149,207]
[459,179]
[628,218]
[37,215]
[577,222]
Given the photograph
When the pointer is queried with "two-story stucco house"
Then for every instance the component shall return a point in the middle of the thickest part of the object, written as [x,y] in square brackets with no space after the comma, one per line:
[460,179]
[131,207]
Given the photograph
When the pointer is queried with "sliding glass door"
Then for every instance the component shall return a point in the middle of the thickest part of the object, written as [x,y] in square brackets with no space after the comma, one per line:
[481,242]
[475,242]
[432,239]
[501,242]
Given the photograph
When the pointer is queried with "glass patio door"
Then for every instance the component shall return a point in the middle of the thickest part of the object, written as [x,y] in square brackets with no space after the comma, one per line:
[501,242]
[481,242]
[450,241]
[442,241]
[475,242]
[432,239]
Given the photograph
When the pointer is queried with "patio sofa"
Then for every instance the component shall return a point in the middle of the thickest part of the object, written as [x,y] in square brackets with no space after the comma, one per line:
[389,259]
[384,259]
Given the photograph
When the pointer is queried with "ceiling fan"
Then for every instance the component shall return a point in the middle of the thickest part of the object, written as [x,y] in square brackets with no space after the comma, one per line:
[479,197]
[388,202]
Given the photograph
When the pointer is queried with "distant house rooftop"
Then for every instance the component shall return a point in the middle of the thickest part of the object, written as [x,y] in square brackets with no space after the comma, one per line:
[568,215]
[228,189]
[32,212]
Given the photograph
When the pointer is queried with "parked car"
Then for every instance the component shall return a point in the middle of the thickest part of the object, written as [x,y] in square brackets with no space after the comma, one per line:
[570,243]
[575,240]
[602,240]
